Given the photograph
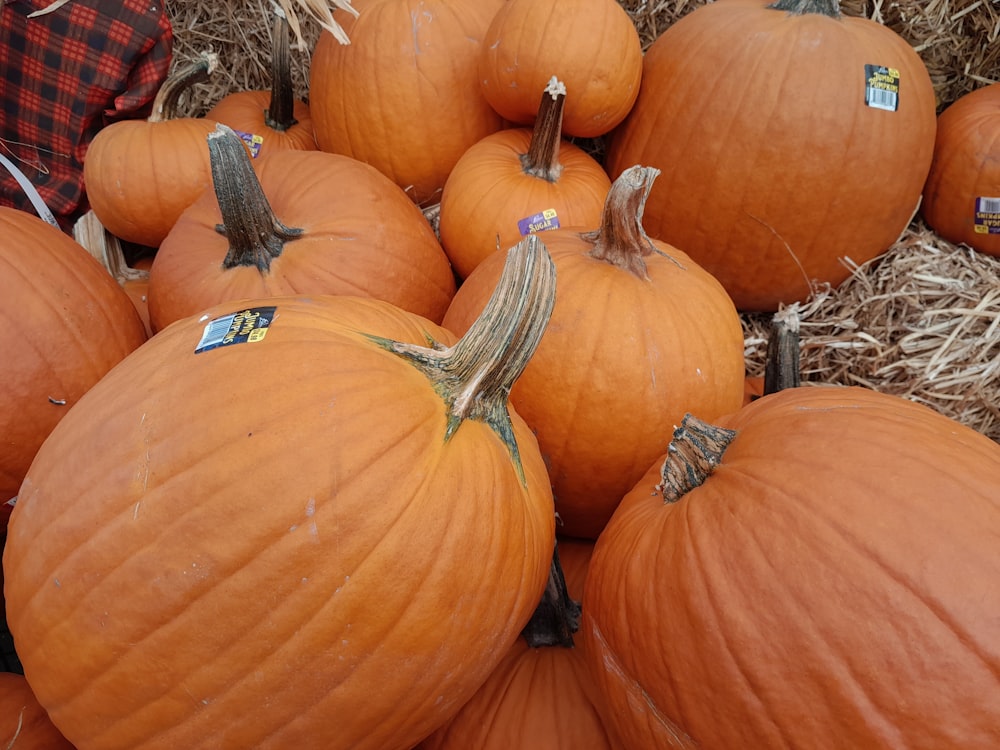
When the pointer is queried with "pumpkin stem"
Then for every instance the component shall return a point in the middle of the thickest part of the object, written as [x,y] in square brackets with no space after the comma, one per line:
[279,114]
[693,454]
[781,366]
[169,95]
[256,236]
[557,615]
[621,239]
[476,374]
[542,159]
[829,8]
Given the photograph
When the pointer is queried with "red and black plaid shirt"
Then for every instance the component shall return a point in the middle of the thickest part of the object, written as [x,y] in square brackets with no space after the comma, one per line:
[66,74]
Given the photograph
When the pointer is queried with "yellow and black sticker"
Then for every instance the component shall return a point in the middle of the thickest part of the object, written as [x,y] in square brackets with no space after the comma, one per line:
[987,219]
[543,220]
[243,327]
[882,87]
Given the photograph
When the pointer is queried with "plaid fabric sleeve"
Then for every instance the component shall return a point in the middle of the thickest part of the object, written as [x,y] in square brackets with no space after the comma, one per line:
[65,75]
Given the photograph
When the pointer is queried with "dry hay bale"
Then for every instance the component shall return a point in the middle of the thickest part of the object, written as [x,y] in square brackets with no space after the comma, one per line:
[921,321]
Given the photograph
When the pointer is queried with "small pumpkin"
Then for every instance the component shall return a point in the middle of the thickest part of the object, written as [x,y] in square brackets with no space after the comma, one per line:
[404,96]
[518,181]
[961,200]
[540,694]
[790,137]
[274,119]
[816,570]
[297,222]
[290,522]
[636,323]
[65,323]
[592,46]
[24,725]
[141,174]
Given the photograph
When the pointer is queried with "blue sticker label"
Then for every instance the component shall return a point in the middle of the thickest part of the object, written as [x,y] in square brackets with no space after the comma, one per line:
[987,219]
[243,327]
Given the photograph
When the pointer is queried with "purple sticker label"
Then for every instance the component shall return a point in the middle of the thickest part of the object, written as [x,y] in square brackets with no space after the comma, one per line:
[987,219]
[243,327]
[543,220]
[254,142]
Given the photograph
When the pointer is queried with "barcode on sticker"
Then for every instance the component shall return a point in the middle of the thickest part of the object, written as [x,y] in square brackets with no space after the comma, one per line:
[882,87]
[245,326]
[988,205]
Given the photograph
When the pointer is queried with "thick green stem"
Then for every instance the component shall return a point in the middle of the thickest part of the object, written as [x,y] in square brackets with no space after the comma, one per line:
[256,236]
[542,159]
[693,454]
[557,615]
[168,97]
[829,8]
[474,377]
[781,367]
[280,113]
[621,239]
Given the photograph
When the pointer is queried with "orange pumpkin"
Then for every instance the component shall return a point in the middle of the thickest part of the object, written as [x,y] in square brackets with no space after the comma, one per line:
[537,696]
[66,322]
[640,334]
[789,136]
[817,570]
[592,46]
[297,222]
[403,96]
[270,120]
[141,174]
[24,725]
[518,181]
[292,522]
[962,195]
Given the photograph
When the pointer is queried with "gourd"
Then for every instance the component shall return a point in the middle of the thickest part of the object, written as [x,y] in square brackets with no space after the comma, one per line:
[296,521]
[270,119]
[790,137]
[404,96]
[24,725]
[65,323]
[592,46]
[961,200]
[141,174]
[297,222]
[518,181]
[640,334]
[815,570]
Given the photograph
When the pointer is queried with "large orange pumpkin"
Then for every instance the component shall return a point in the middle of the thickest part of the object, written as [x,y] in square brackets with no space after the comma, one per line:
[141,174]
[270,120]
[640,334]
[962,195]
[790,137]
[539,695]
[64,322]
[592,46]
[297,222]
[24,725]
[518,181]
[403,96]
[295,522]
[819,571]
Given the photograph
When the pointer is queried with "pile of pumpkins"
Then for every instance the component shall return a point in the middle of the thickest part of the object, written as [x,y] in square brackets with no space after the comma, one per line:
[364,484]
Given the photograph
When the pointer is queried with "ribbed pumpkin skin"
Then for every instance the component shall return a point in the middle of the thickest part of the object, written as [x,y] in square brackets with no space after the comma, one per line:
[488,193]
[403,95]
[966,166]
[361,236]
[590,45]
[536,697]
[141,175]
[773,166]
[24,725]
[271,545]
[622,359]
[245,111]
[831,585]
[64,322]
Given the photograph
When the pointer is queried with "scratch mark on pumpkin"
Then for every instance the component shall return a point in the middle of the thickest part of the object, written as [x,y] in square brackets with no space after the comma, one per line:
[17,731]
